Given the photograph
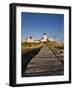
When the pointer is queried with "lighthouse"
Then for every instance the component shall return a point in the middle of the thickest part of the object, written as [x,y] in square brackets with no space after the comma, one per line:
[45,36]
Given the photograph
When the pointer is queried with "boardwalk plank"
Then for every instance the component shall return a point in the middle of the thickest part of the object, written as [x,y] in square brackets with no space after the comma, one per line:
[44,63]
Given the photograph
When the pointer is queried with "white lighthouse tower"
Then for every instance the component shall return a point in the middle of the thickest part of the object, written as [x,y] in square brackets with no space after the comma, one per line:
[45,36]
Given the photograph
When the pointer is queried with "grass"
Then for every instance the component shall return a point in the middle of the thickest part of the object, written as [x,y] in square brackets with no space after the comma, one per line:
[59,47]
[27,47]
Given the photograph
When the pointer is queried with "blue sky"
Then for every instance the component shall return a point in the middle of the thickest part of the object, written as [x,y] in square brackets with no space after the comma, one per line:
[35,24]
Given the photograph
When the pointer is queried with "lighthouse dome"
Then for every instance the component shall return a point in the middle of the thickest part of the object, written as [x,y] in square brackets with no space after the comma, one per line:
[44,34]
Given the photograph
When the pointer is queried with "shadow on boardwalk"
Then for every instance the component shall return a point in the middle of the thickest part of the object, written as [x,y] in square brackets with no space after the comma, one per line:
[26,58]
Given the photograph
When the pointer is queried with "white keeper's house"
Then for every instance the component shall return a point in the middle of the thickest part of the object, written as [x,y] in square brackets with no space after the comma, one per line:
[29,39]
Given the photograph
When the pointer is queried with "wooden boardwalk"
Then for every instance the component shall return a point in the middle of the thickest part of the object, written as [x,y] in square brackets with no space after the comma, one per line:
[44,63]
